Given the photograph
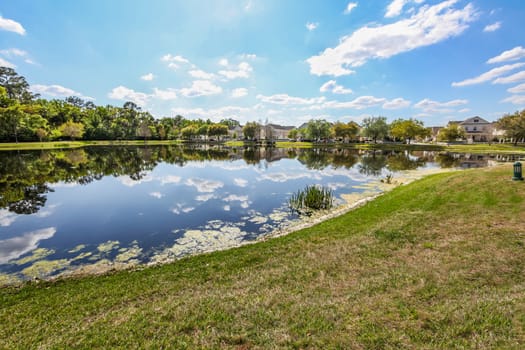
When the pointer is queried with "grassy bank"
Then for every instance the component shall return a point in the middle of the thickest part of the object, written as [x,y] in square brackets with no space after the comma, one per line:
[435,264]
[461,148]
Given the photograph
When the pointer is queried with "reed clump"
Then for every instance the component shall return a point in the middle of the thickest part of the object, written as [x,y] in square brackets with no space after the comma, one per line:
[312,198]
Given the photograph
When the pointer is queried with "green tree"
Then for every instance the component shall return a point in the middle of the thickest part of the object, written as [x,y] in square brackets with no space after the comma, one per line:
[144,130]
[452,132]
[375,128]
[72,130]
[188,132]
[514,125]
[218,130]
[407,129]
[16,85]
[345,130]
[317,129]
[293,134]
[251,129]
[203,130]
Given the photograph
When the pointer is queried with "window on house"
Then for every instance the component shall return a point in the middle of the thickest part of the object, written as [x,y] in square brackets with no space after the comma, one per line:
[475,129]
[476,120]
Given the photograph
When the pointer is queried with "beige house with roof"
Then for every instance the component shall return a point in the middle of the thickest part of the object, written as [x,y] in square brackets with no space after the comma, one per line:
[477,129]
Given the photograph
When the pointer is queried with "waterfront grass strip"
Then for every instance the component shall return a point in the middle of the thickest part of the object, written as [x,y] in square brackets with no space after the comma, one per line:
[437,264]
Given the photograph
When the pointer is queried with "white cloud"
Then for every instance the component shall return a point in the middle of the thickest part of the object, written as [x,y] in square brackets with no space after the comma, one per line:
[240,92]
[396,103]
[240,182]
[492,27]
[201,88]
[430,106]
[7,217]
[200,74]
[517,89]
[350,7]
[216,114]
[5,63]
[243,71]
[360,102]
[311,26]
[430,25]
[129,182]
[170,179]
[125,94]
[395,8]
[283,177]
[13,52]
[247,56]
[332,86]
[204,197]
[204,185]
[464,110]
[226,208]
[516,99]
[157,195]
[11,26]
[510,55]
[223,62]
[490,75]
[168,94]
[57,91]
[148,77]
[15,247]
[514,78]
[234,197]
[285,99]
[174,62]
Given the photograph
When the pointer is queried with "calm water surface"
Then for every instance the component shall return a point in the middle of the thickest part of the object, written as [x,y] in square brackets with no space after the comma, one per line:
[85,210]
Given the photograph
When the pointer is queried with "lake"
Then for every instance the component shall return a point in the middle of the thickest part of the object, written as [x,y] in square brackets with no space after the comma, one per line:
[93,209]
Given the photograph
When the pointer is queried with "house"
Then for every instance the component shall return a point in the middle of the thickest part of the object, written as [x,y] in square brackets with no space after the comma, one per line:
[434,131]
[275,132]
[477,129]
[235,132]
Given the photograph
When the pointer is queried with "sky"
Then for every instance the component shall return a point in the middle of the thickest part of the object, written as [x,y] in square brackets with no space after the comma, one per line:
[276,61]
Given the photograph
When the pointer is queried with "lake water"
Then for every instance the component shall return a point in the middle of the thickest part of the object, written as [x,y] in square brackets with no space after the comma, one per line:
[87,210]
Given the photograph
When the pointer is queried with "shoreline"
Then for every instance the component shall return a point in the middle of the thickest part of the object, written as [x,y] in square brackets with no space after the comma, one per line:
[371,191]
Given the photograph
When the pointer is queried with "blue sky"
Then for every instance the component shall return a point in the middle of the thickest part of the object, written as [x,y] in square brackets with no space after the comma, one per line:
[282,61]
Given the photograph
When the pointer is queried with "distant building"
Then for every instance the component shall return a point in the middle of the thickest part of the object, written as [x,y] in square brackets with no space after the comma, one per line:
[235,132]
[434,131]
[275,132]
[477,129]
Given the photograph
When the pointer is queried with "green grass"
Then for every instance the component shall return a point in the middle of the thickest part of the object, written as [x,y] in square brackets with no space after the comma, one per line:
[76,144]
[462,148]
[437,264]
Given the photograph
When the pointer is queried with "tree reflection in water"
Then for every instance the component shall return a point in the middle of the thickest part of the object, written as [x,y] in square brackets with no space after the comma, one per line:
[26,176]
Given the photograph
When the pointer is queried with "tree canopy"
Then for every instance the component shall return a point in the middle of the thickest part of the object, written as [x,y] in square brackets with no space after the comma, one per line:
[375,128]
[408,129]
[514,125]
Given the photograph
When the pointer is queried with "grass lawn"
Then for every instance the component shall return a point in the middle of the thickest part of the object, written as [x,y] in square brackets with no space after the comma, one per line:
[437,264]
[460,148]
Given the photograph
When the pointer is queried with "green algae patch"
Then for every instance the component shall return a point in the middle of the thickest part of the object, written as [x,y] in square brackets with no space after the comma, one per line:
[37,254]
[108,246]
[77,249]
[129,255]
[43,268]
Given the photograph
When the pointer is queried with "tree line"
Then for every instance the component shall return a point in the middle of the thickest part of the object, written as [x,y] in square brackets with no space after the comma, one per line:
[25,116]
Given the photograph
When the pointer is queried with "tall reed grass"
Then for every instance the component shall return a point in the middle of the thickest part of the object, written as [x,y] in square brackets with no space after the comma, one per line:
[311,198]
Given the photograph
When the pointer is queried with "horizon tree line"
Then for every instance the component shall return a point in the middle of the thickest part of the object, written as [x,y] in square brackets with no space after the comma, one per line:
[25,116]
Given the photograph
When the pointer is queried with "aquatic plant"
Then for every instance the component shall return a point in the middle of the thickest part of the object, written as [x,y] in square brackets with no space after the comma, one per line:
[388,179]
[311,198]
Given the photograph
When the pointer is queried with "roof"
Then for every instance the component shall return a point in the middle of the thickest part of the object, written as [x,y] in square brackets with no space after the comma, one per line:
[275,126]
[471,121]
